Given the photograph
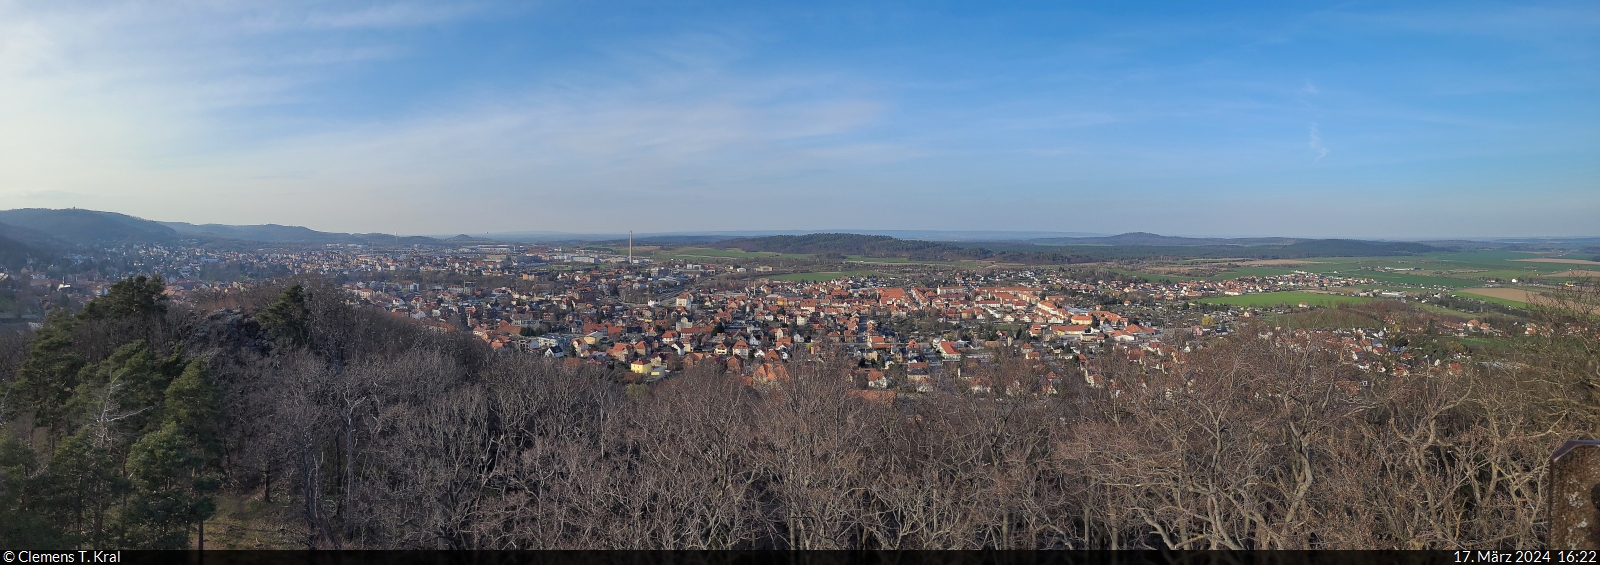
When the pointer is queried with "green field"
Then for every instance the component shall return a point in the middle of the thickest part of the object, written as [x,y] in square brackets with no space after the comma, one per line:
[1289,298]
[824,276]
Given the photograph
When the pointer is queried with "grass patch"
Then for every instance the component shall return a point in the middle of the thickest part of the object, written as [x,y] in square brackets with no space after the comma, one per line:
[1446,311]
[1487,344]
[245,522]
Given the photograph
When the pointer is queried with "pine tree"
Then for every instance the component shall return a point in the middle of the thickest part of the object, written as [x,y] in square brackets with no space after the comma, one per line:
[170,488]
[172,468]
[82,483]
[122,393]
[23,525]
[47,378]
[133,296]
[287,319]
[192,406]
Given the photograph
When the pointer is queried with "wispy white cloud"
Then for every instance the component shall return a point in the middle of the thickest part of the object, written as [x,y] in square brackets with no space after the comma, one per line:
[222,111]
[389,15]
[99,119]
[1315,143]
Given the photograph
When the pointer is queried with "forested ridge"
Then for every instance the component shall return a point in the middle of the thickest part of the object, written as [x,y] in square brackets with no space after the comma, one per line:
[130,423]
[1071,250]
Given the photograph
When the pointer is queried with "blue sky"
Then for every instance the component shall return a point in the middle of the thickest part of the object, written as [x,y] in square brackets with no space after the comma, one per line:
[1339,119]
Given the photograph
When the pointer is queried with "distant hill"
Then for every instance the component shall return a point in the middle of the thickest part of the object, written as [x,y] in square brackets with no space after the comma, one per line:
[464,239]
[88,227]
[274,233]
[839,245]
[43,228]
[14,254]
[1145,238]
[843,244]
[32,231]
[1353,248]
[30,237]
[268,232]
[1125,246]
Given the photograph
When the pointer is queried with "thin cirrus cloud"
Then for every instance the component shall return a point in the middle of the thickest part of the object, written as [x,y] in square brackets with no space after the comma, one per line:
[1315,143]
[551,139]
[403,14]
[566,116]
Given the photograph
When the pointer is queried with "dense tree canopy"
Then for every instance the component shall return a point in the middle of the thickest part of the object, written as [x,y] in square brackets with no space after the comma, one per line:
[130,297]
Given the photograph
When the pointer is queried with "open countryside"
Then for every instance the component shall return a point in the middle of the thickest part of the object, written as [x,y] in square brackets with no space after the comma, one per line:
[1439,269]
[1291,299]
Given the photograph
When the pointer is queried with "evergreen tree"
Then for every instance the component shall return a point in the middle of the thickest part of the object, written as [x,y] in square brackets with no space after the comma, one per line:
[193,408]
[287,319]
[170,488]
[122,393]
[23,525]
[133,296]
[47,378]
[82,483]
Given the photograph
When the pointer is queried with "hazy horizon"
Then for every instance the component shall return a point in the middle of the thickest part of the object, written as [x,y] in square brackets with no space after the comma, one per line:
[1423,121]
[923,234]
[908,233]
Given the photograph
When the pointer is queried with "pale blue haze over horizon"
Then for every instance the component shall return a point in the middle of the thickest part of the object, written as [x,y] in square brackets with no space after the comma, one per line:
[1339,119]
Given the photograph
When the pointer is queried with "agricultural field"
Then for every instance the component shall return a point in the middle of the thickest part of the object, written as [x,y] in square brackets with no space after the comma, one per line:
[1561,261]
[1452,270]
[824,276]
[1289,298]
[1500,295]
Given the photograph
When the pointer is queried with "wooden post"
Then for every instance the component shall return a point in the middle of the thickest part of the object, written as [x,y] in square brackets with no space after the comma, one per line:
[1575,495]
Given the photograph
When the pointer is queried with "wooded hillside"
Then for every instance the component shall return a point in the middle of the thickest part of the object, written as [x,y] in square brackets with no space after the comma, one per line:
[131,423]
